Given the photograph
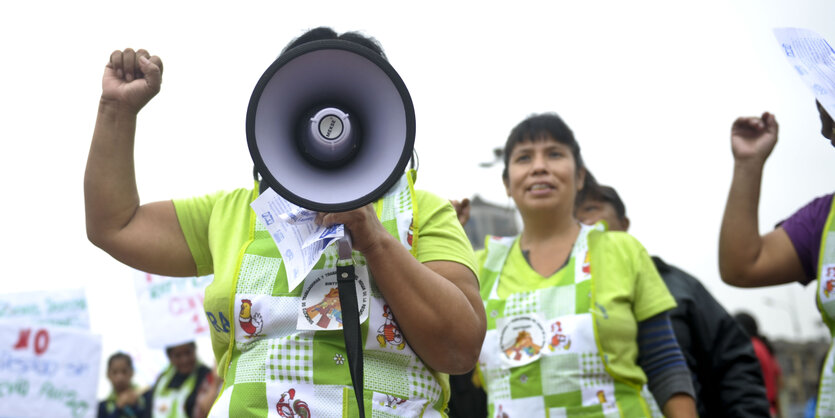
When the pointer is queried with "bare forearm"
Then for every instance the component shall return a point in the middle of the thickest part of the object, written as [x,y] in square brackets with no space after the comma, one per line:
[444,323]
[146,237]
[739,239]
[110,194]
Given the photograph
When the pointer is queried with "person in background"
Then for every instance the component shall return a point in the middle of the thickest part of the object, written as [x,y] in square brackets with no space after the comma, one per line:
[207,394]
[772,374]
[800,249]
[726,373]
[577,317]
[174,394]
[125,399]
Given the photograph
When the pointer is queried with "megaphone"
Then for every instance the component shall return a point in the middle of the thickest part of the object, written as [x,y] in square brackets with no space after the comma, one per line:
[330,125]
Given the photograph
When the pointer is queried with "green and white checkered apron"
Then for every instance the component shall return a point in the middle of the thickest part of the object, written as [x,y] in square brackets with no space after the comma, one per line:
[540,356]
[826,306]
[278,370]
[171,403]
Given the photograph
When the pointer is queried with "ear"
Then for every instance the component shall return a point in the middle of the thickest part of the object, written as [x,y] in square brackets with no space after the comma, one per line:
[625,223]
[581,179]
[506,185]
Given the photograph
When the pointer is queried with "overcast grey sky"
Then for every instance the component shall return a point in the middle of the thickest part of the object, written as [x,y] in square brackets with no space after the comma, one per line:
[649,88]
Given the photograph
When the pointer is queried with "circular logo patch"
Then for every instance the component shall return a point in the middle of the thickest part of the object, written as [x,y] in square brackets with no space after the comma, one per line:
[521,339]
[320,306]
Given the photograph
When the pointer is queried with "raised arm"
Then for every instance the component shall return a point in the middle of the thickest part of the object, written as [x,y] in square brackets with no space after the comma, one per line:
[146,237]
[746,258]
[437,304]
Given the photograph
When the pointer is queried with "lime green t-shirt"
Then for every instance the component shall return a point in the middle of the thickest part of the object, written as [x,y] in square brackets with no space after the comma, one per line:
[217,228]
[626,289]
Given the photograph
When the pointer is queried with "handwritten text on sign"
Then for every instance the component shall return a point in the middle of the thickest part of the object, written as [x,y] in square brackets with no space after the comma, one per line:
[63,307]
[171,308]
[48,370]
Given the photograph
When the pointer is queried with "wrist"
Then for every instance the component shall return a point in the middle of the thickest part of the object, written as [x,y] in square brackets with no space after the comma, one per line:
[749,165]
[116,110]
[381,247]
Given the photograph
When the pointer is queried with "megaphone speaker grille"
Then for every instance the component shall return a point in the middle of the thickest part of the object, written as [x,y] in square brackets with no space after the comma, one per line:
[352,91]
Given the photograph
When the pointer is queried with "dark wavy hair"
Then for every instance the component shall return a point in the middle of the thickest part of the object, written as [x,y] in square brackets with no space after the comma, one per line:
[119,355]
[542,126]
[606,194]
[324,32]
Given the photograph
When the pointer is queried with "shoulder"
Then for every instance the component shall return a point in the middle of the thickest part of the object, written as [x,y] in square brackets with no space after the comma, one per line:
[207,201]
[224,194]
[673,274]
[238,196]
[440,236]
[813,213]
[804,229]
[427,199]
[680,283]
[614,243]
[819,205]
[203,370]
[433,209]
[618,254]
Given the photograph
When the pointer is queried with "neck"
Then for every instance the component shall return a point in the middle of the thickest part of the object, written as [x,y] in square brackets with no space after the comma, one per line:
[533,238]
[548,242]
[121,390]
[543,226]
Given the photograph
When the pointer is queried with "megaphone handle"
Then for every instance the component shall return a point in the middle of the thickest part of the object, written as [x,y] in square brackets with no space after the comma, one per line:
[345,247]
[346,283]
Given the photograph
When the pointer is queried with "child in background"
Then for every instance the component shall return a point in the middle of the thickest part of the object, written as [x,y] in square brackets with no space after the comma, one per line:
[125,400]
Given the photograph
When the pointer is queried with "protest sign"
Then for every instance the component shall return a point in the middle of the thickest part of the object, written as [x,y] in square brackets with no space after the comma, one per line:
[48,371]
[62,307]
[171,308]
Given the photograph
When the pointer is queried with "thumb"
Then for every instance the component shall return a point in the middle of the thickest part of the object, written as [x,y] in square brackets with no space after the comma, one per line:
[771,122]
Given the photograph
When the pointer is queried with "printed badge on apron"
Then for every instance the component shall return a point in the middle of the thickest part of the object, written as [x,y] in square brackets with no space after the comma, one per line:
[320,309]
[521,338]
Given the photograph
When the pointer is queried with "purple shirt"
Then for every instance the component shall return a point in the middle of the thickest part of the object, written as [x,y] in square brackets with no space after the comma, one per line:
[805,230]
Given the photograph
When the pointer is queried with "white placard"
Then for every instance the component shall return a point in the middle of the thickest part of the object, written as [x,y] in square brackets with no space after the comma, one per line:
[171,308]
[63,307]
[48,371]
[299,239]
[814,60]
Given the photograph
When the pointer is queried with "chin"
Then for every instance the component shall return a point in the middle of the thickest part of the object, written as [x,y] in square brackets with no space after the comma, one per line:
[541,205]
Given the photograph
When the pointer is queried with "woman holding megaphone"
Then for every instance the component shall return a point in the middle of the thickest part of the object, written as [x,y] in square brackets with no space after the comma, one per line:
[424,314]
